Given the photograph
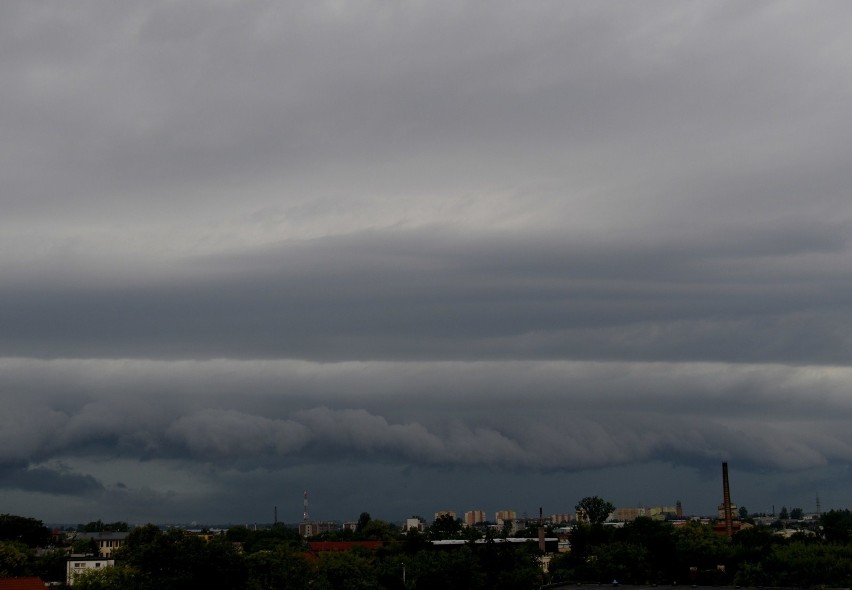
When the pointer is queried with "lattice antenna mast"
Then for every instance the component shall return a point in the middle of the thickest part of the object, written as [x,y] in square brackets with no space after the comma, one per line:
[305,513]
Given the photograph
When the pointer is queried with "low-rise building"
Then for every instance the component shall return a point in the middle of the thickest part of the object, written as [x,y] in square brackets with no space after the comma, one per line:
[107,542]
[77,564]
[316,527]
[628,514]
[413,523]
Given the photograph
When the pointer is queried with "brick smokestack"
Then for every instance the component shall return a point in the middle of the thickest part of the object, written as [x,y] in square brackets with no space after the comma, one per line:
[726,502]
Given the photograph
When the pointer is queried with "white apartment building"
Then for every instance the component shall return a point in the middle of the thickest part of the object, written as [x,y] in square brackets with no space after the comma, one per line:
[77,564]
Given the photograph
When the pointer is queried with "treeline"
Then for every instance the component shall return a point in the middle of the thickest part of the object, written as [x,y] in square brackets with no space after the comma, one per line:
[26,550]
[646,551]
[243,559]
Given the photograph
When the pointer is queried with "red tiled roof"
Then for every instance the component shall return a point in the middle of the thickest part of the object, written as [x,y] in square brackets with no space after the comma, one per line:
[22,584]
[317,546]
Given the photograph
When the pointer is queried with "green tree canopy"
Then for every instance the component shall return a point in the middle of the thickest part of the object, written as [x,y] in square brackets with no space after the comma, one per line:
[596,509]
[346,570]
[13,559]
[837,526]
[99,526]
[378,530]
[29,531]
[281,567]
[84,547]
[177,559]
[445,527]
[108,578]
[697,545]
[363,520]
[800,565]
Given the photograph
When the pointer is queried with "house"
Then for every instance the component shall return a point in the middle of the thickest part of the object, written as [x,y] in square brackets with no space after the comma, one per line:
[77,564]
[106,541]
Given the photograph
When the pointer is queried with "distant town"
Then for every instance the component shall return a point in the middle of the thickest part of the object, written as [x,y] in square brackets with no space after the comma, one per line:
[596,543]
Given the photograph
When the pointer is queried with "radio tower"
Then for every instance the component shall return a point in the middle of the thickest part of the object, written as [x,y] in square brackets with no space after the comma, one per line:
[305,513]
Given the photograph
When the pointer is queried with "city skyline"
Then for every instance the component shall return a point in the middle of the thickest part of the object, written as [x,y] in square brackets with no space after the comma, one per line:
[477,517]
[405,255]
[462,513]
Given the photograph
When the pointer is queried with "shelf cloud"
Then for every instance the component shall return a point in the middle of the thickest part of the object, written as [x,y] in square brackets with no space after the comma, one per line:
[474,253]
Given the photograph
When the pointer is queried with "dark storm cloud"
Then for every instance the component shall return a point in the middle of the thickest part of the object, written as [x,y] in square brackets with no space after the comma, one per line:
[199,421]
[509,243]
[429,413]
[761,295]
[48,481]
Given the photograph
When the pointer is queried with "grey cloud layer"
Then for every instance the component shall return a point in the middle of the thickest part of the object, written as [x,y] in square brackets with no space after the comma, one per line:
[117,110]
[761,295]
[518,415]
[545,238]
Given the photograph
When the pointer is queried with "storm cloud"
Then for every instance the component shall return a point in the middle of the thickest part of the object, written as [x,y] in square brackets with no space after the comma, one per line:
[454,254]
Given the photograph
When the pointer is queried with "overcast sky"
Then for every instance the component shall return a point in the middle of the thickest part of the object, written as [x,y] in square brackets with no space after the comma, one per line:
[418,256]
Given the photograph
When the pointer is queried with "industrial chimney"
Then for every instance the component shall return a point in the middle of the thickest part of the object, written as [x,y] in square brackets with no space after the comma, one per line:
[726,502]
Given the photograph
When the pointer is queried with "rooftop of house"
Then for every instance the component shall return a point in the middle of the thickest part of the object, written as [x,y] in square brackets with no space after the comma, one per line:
[322,546]
[103,536]
[22,584]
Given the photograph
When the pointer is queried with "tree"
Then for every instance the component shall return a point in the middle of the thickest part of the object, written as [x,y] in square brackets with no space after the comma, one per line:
[449,570]
[280,568]
[378,530]
[177,559]
[837,526]
[264,539]
[796,513]
[108,578]
[509,566]
[50,566]
[94,527]
[657,537]
[743,513]
[363,520]
[13,559]
[29,531]
[84,547]
[783,515]
[595,509]
[803,565]
[625,562]
[346,570]
[697,546]
[445,527]
[98,526]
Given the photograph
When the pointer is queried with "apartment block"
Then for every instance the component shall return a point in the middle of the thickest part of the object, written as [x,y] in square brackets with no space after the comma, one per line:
[503,516]
[474,517]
